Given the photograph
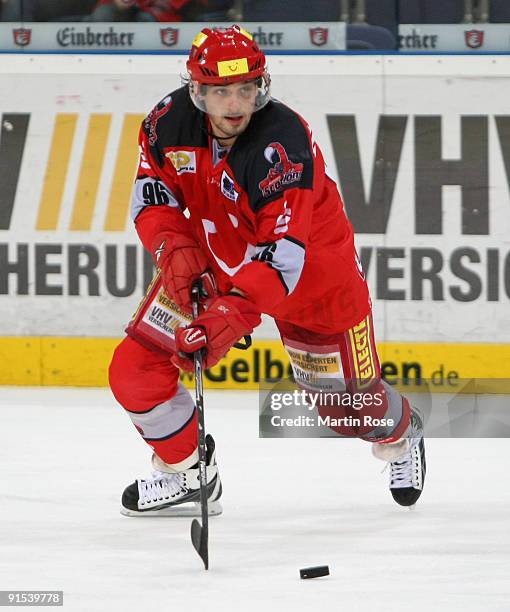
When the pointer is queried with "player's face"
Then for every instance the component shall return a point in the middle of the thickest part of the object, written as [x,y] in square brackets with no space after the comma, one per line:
[230,108]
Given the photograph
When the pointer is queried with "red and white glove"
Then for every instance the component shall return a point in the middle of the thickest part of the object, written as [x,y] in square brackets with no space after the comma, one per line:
[182,262]
[226,320]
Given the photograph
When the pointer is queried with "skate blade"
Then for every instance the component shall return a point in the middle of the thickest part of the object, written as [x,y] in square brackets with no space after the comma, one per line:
[192,509]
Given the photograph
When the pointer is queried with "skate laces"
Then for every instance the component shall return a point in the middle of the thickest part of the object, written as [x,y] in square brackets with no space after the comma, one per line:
[163,486]
[406,471]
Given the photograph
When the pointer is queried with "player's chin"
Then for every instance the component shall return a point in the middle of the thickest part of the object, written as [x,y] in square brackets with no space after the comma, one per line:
[240,128]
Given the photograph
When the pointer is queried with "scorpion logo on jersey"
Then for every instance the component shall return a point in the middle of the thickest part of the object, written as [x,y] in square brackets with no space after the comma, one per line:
[283,173]
[152,118]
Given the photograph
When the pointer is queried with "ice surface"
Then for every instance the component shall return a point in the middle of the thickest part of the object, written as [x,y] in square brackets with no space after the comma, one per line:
[67,455]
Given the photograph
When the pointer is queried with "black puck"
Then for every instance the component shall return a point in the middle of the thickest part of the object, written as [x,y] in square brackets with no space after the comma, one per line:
[314,572]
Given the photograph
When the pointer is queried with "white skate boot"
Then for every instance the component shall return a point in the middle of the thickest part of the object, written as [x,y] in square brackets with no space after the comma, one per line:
[407,462]
[174,493]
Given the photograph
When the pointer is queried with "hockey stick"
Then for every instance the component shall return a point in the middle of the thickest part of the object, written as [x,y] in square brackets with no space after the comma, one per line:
[200,533]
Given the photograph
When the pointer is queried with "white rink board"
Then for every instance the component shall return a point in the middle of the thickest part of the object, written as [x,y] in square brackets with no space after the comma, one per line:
[363,88]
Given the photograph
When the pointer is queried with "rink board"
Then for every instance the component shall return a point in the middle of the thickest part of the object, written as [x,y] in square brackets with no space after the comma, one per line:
[83,362]
[418,145]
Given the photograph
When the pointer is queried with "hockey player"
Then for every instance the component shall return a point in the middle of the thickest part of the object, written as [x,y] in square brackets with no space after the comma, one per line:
[266,231]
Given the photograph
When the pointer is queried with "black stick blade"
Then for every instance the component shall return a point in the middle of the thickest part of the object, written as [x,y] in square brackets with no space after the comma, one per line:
[199,539]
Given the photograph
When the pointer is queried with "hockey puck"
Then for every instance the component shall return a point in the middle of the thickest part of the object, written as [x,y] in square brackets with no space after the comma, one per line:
[314,572]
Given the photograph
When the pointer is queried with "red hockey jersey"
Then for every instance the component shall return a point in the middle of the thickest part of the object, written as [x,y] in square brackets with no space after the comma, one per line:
[267,216]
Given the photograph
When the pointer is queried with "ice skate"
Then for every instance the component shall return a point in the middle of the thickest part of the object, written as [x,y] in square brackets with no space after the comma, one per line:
[407,462]
[174,493]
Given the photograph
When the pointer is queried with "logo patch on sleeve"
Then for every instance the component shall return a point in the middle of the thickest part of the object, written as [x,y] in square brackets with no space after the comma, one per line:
[183,161]
[228,187]
[283,173]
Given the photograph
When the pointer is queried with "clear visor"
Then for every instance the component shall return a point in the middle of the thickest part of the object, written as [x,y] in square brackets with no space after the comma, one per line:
[241,96]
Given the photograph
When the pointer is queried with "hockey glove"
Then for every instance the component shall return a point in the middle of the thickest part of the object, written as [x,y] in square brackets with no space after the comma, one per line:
[226,320]
[181,262]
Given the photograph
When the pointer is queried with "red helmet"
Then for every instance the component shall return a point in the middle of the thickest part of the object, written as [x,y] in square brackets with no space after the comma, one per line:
[221,56]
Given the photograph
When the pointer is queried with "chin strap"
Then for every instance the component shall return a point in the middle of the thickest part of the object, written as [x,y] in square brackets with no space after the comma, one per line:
[219,137]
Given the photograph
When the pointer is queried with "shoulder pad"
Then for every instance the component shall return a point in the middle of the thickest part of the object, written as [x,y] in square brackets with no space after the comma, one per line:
[174,121]
[274,154]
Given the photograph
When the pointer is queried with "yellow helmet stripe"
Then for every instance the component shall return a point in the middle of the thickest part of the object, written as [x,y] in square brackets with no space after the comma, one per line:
[199,39]
[245,33]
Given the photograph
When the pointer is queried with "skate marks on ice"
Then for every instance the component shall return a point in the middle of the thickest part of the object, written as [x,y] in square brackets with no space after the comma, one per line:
[287,504]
